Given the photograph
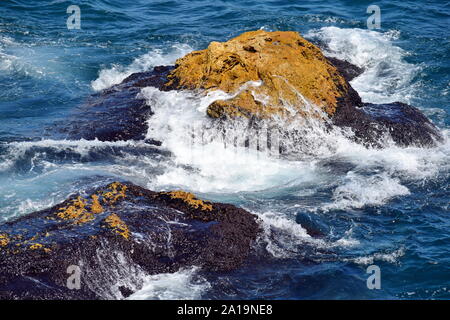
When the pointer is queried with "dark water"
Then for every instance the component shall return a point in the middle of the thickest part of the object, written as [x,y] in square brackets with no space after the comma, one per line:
[385,207]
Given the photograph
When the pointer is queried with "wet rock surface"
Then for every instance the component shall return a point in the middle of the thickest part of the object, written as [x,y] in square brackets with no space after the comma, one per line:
[401,123]
[115,235]
[117,113]
[349,71]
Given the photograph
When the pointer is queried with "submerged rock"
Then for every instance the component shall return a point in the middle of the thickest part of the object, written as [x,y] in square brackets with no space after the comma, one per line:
[115,236]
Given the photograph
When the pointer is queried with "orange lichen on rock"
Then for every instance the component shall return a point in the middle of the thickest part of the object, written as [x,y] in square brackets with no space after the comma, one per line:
[114,222]
[265,72]
[82,210]
[4,240]
[191,200]
[76,211]
[36,246]
[116,191]
[96,207]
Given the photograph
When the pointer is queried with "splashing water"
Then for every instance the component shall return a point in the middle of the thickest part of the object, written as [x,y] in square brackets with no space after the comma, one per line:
[384,206]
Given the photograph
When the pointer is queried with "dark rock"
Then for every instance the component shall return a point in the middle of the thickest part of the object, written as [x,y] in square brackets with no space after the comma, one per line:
[116,113]
[313,224]
[406,125]
[349,71]
[125,291]
[115,235]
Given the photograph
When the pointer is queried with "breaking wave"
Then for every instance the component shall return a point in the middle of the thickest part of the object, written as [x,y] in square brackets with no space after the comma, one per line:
[387,76]
[117,73]
[185,284]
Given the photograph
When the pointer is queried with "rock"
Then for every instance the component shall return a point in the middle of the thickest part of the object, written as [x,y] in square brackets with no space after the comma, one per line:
[117,113]
[283,67]
[349,71]
[116,234]
[270,73]
[266,74]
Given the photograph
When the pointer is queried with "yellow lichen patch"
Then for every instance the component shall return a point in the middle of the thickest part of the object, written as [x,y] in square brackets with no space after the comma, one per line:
[268,73]
[191,200]
[4,240]
[73,211]
[76,211]
[114,222]
[36,246]
[116,191]
[96,207]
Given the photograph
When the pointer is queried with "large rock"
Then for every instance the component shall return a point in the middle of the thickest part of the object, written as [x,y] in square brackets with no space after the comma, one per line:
[115,235]
[266,74]
[279,74]
[287,68]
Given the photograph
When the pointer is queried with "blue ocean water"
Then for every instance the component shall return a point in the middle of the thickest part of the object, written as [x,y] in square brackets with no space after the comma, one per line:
[387,207]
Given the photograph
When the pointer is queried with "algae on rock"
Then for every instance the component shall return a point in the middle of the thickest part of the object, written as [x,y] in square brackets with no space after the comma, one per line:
[291,71]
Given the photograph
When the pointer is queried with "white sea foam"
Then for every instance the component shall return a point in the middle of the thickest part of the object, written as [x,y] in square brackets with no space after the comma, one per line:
[185,284]
[116,73]
[197,166]
[208,165]
[81,146]
[8,61]
[16,151]
[358,191]
[112,270]
[329,19]
[387,76]
[391,257]
[31,60]
[283,237]
[19,207]
[30,205]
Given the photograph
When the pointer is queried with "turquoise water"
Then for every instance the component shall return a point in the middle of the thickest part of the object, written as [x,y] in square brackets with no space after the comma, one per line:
[385,207]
